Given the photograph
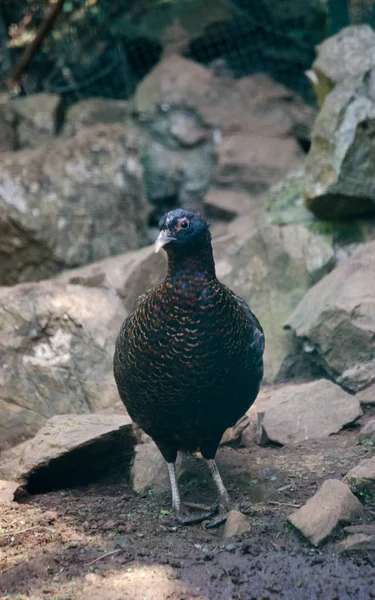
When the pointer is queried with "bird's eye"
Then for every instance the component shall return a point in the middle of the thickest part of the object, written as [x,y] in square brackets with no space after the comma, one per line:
[184,224]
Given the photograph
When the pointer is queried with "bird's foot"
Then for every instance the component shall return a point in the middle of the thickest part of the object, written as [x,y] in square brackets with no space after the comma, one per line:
[224,507]
[184,516]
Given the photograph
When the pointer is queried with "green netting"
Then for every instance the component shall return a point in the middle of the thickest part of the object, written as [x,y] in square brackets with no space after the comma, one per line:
[104,47]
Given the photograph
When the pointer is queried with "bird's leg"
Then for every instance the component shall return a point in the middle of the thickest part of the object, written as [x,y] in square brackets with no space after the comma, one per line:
[183,516]
[176,500]
[224,500]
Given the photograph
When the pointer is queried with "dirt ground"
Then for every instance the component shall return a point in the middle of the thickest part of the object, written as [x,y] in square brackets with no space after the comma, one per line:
[101,541]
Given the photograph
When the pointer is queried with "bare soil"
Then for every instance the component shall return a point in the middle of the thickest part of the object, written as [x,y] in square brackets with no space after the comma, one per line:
[102,541]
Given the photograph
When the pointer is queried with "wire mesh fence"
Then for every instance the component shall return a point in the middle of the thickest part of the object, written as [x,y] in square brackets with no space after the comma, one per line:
[104,48]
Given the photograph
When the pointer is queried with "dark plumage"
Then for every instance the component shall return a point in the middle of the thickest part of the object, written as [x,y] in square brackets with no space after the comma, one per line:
[188,360]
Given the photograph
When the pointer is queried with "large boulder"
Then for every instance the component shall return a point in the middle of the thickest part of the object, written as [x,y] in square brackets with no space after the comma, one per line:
[343,56]
[56,343]
[226,204]
[285,206]
[70,450]
[308,411]
[335,321]
[253,162]
[38,117]
[70,203]
[271,267]
[8,136]
[92,111]
[340,179]
[129,274]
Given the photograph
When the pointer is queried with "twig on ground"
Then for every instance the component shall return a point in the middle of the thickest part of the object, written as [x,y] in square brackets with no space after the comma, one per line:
[28,529]
[104,556]
[284,504]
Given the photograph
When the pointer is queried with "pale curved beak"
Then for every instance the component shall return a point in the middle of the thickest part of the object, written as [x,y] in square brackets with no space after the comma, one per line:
[162,239]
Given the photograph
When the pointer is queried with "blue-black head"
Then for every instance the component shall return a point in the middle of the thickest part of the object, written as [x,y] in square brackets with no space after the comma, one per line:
[180,229]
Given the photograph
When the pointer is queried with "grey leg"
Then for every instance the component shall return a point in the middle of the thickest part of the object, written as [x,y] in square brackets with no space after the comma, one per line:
[176,500]
[223,494]
[181,513]
[224,500]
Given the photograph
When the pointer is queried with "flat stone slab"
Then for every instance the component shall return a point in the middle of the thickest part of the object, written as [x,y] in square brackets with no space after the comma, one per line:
[70,449]
[314,410]
[332,504]
[359,542]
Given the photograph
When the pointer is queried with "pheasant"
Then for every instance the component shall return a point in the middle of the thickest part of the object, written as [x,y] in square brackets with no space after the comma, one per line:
[189,359]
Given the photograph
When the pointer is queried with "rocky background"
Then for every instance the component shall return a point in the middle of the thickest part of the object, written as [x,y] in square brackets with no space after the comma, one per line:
[81,191]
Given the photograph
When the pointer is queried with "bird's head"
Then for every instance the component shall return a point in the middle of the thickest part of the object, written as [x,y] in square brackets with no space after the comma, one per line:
[180,229]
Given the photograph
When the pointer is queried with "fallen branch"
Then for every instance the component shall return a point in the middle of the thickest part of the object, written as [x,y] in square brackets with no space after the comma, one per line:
[284,504]
[13,81]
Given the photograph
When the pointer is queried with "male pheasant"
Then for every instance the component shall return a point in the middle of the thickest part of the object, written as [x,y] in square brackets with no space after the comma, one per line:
[189,358]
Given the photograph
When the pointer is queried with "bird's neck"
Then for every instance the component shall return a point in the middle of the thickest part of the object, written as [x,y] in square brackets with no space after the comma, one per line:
[191,262]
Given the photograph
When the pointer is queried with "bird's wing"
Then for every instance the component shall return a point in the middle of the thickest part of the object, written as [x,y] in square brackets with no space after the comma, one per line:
[125,328]
[257,342]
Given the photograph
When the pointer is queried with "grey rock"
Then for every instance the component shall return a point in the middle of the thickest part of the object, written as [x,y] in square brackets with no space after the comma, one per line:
[339,174]
[367,396]
[149,469]
[187,128]
[71,203]
[236,524]
[182,174]
[8,134]
[130,274]
[37,118]
[335,321]
[253,162]
[358,542]
[366,528]
[343,56]
[362,479]
[7,490]
[307,411]
[285,206]
[70,449]
[271,267]
[232,435]
[57,345]
[367,433]
[227,204]
[173,81]
[92,111]
[333,503]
